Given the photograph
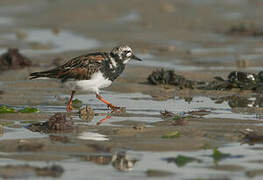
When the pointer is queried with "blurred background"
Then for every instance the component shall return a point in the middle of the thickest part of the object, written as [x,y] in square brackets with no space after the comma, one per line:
[183,34]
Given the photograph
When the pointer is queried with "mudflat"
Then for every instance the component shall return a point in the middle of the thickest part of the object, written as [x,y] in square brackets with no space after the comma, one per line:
[217,132]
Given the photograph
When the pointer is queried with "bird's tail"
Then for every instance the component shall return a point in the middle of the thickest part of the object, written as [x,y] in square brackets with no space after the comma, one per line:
[43,74]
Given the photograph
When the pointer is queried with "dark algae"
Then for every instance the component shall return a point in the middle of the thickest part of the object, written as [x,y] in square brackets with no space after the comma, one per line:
[236,79]
[12,59]
[181,160]
[169,77]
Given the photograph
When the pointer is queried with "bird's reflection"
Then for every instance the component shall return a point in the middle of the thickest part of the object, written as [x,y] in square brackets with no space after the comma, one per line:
[104,119]
[109,115]
[119,160]
[123,162]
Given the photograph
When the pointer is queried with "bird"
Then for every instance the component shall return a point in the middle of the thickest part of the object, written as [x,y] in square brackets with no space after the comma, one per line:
[91,72]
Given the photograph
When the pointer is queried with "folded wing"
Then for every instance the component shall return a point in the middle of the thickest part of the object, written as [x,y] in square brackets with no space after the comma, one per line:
[78,68]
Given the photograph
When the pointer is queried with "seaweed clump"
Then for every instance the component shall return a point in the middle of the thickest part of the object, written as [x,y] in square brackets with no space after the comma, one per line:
[181,160]
[236,79]
[245,30]
[12,59]
[251,137]
[241,80]
[86,113]
[56,123]
[169,77]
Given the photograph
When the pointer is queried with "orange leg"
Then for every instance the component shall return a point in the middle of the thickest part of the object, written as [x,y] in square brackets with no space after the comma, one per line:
[113,107]
[69,105]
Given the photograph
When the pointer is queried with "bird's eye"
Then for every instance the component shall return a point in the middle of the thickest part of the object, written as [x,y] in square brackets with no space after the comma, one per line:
[128,54]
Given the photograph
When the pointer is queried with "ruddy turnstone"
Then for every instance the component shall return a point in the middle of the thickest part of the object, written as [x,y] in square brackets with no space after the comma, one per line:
[91,72]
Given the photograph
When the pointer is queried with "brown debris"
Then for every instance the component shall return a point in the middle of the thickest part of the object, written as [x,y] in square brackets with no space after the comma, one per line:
[56,31]
[13,60]
[173,119]
[86,113]
[167,114]
[99,159]
[245,30]
[251,137]
[25,171]
[56,123]
[139,126]
[62,139]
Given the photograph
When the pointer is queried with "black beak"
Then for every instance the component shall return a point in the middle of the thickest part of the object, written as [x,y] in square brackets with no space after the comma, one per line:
[136,58]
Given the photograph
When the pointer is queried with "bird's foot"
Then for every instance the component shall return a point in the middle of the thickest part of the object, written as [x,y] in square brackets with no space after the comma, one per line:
[113,107]
[116,109]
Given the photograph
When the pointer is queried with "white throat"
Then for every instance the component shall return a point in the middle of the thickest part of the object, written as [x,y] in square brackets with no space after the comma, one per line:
[126,61]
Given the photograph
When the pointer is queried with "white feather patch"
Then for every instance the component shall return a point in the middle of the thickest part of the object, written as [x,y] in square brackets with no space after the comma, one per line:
[128,54]
[113,62]
[126,61]
[96,82]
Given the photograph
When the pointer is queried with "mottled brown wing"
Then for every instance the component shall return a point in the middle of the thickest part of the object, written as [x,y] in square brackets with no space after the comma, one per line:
[82,67]
[79,68]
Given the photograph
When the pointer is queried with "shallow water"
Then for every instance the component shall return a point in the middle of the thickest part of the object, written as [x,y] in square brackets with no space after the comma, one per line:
[20,133]
[243,159]
[143,108]
[144,104]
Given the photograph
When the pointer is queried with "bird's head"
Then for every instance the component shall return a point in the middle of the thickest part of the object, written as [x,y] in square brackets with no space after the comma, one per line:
[124,54]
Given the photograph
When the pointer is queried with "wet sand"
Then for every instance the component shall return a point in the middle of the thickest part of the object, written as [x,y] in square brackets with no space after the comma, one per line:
[187,36]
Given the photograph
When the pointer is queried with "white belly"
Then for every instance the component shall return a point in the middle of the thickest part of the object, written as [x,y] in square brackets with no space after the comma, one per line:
[96,82]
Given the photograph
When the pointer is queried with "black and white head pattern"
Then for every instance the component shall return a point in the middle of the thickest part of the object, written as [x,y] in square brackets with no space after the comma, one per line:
[123,53]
